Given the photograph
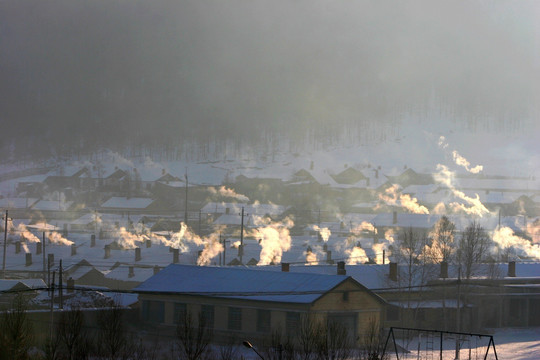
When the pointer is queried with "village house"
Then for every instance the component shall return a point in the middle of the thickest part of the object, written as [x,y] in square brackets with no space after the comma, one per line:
[254,303]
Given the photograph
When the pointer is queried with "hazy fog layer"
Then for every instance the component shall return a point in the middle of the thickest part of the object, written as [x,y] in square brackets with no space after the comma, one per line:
[86,73]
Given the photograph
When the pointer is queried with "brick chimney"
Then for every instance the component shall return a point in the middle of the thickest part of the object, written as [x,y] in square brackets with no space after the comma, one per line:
[176,256]
[329,257]
[92,240]
[511,269]
[444,270]
[393,271]
[148,243]
[341,268]
[138,254]
[50,259]
[107,251]
[17,247]
[73,250]
[28,259]
[285,267]
[131,272]
[156,269]
[39,248]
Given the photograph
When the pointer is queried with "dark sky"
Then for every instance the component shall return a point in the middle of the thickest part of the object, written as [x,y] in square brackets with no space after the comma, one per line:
[102,70]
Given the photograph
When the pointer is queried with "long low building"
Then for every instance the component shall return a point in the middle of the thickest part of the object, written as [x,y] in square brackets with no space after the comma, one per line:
[257,303]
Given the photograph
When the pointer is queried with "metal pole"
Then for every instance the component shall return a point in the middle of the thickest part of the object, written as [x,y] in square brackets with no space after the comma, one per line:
[5,246]
[44,266]
[185,206]
[61,293]
[242,235]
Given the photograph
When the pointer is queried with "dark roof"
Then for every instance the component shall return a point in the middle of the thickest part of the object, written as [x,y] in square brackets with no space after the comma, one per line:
[241,283]
[349,176]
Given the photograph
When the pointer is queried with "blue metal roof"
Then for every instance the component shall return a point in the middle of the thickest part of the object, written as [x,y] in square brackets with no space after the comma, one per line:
[241,283]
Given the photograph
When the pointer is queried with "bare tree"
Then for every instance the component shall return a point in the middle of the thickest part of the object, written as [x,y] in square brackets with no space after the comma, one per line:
[443,244]
[372,342]
[473,244]
[281,347]
[15,330]
[193,339]
[112,339]
[332,341]
[72,334]
[309,334]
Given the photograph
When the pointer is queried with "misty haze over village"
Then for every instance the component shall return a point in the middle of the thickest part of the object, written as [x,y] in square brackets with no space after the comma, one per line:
[276,180]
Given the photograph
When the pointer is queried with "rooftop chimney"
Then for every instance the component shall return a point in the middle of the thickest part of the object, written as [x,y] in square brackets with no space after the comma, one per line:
[176,256]
[329,257]
[131,272]
[156,269]
[393,271]
[92,240]
[512,269]
[444,270]
[240,250]
[65,230]
[107,251]
[394,217]
[28,259]
[137,254]
[73,250]
[341,268]
[17,247]
[285,267]
[148,243]
[39,248]
[50,259]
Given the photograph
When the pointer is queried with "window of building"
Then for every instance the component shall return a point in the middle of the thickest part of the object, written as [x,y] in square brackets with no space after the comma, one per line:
[179,313]
[345,296]
[292,322]
[207,314]
[235,319]
[263,320]
[153,311]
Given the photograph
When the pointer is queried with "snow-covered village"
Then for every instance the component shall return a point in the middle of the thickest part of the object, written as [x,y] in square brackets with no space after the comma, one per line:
[231,180]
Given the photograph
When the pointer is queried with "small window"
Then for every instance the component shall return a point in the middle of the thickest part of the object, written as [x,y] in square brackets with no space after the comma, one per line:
[207,314]
[292,322]
[153,311]
[179,314]
[263,320]
[345,296]
[235,319]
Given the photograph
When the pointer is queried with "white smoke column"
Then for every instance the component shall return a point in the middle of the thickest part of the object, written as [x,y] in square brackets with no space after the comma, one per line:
[363,226]
[128,240]
[391,197]
[56,238]
[21,228]
[119,160]
[383,246]
[442,142]
[458,159]
[212,248]
[439,209]
[533,229]
[505,240]
[461,161]
[274,239]
[357,255]
[445,177]
[226,192]
[25,247]
[312,255]
[236,244]
[323,232]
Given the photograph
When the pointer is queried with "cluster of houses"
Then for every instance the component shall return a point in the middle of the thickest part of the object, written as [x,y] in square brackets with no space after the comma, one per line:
[120,228]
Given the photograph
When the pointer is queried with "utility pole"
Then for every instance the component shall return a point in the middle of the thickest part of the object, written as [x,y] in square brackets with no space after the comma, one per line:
[185,209]
[61,293]
[5,246]
[241,235]
[43,252]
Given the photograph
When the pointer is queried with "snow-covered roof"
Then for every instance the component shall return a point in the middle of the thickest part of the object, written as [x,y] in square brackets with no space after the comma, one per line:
[17,203]
[127,203]
[140,274]
[236,220]
[52,205]
[241,283]
[501,184]
[233,208]
[6,285]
